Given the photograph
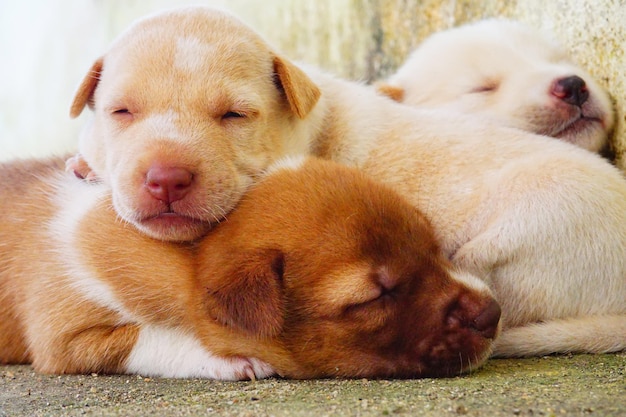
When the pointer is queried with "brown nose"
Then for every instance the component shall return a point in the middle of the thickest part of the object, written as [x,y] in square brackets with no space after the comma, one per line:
[168,184]
[486,323]
[476,316]
[571,90]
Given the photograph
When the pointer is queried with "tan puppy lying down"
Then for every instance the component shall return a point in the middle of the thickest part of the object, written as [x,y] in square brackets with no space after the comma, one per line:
[509,74]
[541,221]
[319,272]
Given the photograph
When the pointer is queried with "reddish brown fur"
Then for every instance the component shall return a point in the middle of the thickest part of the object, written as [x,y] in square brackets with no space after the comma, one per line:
[325,271]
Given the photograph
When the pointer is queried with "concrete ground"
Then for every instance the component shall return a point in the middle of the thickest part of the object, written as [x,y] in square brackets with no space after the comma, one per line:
[578,385]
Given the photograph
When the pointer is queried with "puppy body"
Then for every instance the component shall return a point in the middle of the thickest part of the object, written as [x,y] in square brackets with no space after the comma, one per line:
[320,272]
[509,74]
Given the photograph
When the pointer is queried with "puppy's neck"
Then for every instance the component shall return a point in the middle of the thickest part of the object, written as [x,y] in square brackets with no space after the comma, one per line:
[351,118]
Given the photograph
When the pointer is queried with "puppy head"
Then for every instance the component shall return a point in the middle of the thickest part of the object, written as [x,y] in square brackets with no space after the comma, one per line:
[189,107]
[506,72]
[345,275]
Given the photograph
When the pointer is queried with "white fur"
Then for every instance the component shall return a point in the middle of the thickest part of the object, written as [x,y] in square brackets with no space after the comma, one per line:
[189,51]
[163,125]
[591,334]
[470,281]
[75,199]
[172,353]
[289,163]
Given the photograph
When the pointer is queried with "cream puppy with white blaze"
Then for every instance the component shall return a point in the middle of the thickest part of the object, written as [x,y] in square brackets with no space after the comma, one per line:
[180,135]
[510,74]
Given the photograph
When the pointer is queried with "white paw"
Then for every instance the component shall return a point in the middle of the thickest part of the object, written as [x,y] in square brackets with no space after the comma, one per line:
[240,368]
[173,353]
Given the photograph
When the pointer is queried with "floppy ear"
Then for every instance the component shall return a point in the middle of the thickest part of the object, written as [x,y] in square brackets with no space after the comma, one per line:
[84,95]
[392,91]
[248,294]
[301,92]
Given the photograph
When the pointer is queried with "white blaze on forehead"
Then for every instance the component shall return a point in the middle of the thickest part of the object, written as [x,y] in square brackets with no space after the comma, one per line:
[164,125]
[190,53]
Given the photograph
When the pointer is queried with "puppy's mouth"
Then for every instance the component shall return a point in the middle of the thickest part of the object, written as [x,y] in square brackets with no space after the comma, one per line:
[579,125]
[172,226]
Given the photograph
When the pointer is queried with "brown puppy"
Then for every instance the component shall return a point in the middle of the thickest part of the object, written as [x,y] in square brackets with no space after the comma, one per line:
[319,272]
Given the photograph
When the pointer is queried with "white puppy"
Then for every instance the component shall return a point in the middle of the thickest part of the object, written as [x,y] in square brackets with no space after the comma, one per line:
[511,74]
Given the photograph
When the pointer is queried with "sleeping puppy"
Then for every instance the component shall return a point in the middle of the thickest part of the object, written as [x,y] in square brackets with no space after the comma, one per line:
[542,222]
[510,74]
[319,272]
[185,118]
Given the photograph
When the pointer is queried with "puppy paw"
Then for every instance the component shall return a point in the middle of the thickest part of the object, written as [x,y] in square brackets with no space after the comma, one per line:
[261,369]
[80,168]
[246,369]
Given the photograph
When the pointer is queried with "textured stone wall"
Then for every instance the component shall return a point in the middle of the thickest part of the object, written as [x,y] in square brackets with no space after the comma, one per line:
[369,39]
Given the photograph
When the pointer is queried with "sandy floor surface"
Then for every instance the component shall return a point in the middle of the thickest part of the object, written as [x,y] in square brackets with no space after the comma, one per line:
[577,385]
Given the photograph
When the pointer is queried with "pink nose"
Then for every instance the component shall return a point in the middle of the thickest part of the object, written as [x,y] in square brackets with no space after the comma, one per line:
[168,184]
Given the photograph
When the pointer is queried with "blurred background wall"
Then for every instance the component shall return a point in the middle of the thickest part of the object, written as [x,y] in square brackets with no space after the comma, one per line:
[46,46]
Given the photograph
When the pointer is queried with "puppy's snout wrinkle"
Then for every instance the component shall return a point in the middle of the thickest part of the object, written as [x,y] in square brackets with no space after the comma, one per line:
[572,90]
[168,184]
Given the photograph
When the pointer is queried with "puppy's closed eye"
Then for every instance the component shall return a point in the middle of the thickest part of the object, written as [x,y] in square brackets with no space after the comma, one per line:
[122,116]
[231,114]
[381,295]
[383,298]
[121,112]
[487,86]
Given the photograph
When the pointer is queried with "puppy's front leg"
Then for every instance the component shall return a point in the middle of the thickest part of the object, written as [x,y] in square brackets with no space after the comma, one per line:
[478,256]
[100,348]
[174,352]
[148,350]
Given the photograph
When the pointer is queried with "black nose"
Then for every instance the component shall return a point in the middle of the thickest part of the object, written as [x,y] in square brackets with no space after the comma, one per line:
[571,90]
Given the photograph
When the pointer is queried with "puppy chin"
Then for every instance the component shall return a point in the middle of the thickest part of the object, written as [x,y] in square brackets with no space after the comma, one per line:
[173,227]
[585,132]
[165,226]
